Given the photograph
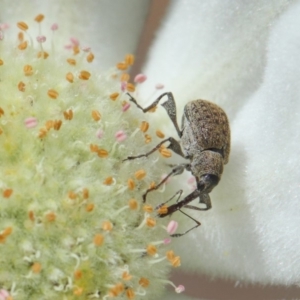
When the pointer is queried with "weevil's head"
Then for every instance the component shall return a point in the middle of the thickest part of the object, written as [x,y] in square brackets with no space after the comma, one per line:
[207,167]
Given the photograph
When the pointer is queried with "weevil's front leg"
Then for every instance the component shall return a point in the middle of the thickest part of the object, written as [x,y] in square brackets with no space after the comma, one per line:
[174,146]
[169,106]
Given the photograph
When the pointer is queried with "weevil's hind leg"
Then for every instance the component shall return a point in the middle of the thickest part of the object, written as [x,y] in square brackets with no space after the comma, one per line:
[205,199]
[174,146]
[175,171]
[169,106]
[178,192]
[181,234]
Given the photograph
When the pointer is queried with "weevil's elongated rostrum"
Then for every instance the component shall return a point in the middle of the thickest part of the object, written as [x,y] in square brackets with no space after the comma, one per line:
[204,141]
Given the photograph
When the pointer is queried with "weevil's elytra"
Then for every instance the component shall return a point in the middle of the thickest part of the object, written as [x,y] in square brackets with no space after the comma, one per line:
[205,142]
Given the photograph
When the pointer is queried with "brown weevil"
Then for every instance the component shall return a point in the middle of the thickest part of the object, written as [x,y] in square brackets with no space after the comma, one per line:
[204,141]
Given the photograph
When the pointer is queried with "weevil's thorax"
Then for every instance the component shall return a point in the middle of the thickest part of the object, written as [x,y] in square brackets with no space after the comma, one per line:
[207,162]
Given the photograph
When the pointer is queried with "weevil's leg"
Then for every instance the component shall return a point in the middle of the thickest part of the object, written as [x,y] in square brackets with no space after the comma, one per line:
[181,234]
[178,192]
[175,171]
[169,106]
[174,146]
[205,199]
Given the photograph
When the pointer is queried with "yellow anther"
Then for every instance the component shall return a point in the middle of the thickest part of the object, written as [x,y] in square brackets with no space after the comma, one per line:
[22,46]
[71,61]
[1,62]
[129,59]
[39,18]
[76,50]
[42,133]
[126,276]
[170,255]
[7,193]
[107,226]
[144,126]
[68,115]
[85,193]
[22,25]
[125,77]
[130,294]
[78,291]
[96,115]
[84,75]
[163,210]
[133,204]
[114,96]
[108,181]
[94,148]
[150,222]
[7,231]
[36,267]
[70,77]
[1,112]
[50,217]
[28,71]
[90,57]
[147,208]
[31,215]
[140,174]
[122,66]
[148,139]
[175,262]
[98,239]
[130,184]
[72,195]
[130,87]
[89,207]
[77,274]
[21,36]
[49,124]
[151,250]
[52,94]
[57,124]
[102,153]
[43,54]
[21,86]
[144,282]
[165,152]
[159,134]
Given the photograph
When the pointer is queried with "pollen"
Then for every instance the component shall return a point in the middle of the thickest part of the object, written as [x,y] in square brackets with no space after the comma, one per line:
[7,193]
[144,126]
[133,204]
[36,267]
[28,71]
[23,45]
[165,152]
[114,96]
[84,75]
[176,262]
[126,276]
[163,210]
[130,293]
[21,86]
[144,282]
[159,134]
[140,174]
[22,25]
[96,115]
[68,115]
[130,184]
[170,255]
[77,274]
[90,57]
[150,222]
[50,217]
[76,50]
[129,59]
[98,239]
[108,181]
[148,139]
[70,77]
[147,208]
[71,61]
[53,94]
[42,54]
[125,77]
[57,124]
[72,195]
[107,226]
[90,207]
[39,18]
[122,66]
[151,250]
[85,193]
[130,87]
[42,133]
[102,153]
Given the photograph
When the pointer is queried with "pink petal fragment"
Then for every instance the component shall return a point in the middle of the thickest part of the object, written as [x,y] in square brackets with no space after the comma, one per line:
[140,78]
[159,86]
[120,136]
[74,41]
[172,227]
[167,241]
[99,133]
[123,86]
[54,27]
[41,38]
[30,122]
[125,107]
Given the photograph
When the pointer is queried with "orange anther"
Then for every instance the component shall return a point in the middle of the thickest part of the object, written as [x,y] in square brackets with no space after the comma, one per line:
[7,193]
[130,293]
[148,208]
[144,126]
[77,274]
[22,46]
[28,71]
[150,222]
[72,195]
[84,75]
[70,77]
[52,94]
[76,50]
[43,54]
[89,207]
[22,25]
[98,239]
[140,174]
[176,262]
[71,61]
[31,215]
[130,87]
[130,184]
[144,282]
[1,62]
[36,267]
[42,133]
[39,18]
[159,134]
[107,226]
[129,59]
[78,291]
[94,148]
[1,112]
[163,210]
[165,152]
[21,86]
[133,204]
[125,77]
[151,250]
[114,96]
[102,153]
[90,57]
[68,115]
[1,131]
[51,216]
[148,139]
[49,124]
[57,124]
[126,276]
[21,36]
[85,193]
[170,255]
[96,115]
[7,231]
[122,66]
[108,181]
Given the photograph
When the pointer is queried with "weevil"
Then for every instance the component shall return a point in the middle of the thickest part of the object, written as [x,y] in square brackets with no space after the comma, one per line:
[204,141]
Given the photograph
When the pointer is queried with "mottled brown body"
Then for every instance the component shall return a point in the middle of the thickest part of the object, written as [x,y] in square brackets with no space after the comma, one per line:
[204,141]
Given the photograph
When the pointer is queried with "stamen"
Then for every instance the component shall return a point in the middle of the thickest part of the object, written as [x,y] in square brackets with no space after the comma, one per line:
[71,61]
[1,112]
[107,226]
[160,134]
[151,250]
[130,87]
[54,27]
[165,152]
[30,122]
[140,174]
[144,282]
[57,124]
[120,136]
[133,204]
[122,66]
[98,239]
[7,193]
[148,208]
[114,96]
[126,276]
[102,153]
[99,133]
[22,25]
[85,193]
[130,293]
[129,59]
[41,39]
[39,18]
[163,210]
[31,215]
[42,54]
[108,181]
[96,115]
[125,77]
[130,184]
[1,62]
[125,107]
[51,216]
[78,291]
[90,57]
[144,126]
[72,195]
[77,274]
[140,78]
[22,46]
[28,71]
[148,139]
[84,75]
[70,77]
[159,86]
[172,227]
[68,114]
[150,222]
[89,207]
[21,36]
[116,290]
[53,94]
